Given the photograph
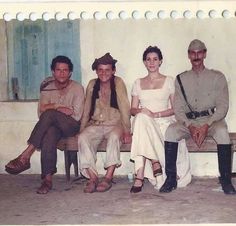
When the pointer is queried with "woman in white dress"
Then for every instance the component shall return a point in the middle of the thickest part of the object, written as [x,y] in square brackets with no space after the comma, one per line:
[151,104]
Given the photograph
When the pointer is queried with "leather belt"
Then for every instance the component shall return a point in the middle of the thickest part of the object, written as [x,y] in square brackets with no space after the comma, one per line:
[197,114]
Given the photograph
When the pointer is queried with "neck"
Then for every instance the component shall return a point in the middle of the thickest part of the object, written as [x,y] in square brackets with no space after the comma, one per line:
[62,85]
[199,68]
[154,75]
[105,85]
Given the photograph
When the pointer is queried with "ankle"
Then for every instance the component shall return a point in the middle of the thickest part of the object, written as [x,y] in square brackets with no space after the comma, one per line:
[138,182]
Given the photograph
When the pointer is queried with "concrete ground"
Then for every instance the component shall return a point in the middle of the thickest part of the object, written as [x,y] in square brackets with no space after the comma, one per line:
[201,202]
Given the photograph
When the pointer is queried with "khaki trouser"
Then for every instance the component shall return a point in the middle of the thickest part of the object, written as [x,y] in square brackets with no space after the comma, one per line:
[218,131]
[88,142]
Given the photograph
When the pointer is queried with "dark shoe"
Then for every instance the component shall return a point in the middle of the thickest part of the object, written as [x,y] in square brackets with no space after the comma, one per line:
[156,171]
[228,188]
[17,166]
[45,187]
[104,185]
[224,162]
[136,189]
[169,185]
[91,186]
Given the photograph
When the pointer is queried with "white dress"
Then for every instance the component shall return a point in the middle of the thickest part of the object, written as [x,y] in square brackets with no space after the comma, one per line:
[148,135]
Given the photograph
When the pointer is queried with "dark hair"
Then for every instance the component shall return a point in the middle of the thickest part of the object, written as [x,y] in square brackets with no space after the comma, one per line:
[152,49]
[61,59]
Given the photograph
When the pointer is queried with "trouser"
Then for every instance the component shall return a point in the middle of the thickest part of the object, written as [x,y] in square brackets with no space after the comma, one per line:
[51,127]
[88,143]
[218,131]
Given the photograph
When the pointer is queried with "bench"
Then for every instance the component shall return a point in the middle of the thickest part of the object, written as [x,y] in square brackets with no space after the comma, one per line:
[209,145]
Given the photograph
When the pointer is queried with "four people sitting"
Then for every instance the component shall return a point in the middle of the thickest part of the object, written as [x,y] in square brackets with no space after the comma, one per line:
[198,101]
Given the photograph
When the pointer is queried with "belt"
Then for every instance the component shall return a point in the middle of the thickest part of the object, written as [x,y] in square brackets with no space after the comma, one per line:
[197,114]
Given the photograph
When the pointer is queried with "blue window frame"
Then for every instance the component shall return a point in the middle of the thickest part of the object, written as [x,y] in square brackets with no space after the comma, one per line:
[31,47]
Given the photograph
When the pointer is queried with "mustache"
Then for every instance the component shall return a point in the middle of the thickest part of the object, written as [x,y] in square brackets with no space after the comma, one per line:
[195,60]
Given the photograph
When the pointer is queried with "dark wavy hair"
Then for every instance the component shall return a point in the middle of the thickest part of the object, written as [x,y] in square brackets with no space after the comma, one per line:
[61,59]
[152,49]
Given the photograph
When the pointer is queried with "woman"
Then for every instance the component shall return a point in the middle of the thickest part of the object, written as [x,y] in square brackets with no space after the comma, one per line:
[151,104]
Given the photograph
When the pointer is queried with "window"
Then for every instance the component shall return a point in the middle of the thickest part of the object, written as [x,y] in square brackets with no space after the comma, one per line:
[31,46]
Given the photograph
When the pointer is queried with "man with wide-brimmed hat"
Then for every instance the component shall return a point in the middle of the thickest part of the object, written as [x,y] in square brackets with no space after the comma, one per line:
[200,105]
[106,116]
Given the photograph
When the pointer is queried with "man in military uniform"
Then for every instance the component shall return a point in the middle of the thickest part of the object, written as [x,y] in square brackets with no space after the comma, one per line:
[201,104]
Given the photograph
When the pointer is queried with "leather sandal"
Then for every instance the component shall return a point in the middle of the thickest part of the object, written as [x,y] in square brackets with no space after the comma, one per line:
[104,185]
[136,189]
[17,166]
[45,187]
[91,186]
[158,171]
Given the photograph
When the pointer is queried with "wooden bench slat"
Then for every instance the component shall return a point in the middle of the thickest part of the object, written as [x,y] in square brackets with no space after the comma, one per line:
[209,145]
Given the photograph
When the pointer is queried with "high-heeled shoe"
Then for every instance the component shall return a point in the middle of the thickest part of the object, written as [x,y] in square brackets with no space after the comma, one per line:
[158,171]
[136,189]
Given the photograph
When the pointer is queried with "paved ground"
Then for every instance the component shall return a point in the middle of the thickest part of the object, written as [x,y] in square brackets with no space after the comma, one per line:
[201,202]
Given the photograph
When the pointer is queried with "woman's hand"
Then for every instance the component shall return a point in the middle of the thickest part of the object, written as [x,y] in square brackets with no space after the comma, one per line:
[147,112]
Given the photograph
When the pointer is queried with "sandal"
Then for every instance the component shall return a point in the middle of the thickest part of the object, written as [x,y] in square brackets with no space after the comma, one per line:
[45,187]
[18,166]
[156,171]
[136,189]
[104,185]
[91,186]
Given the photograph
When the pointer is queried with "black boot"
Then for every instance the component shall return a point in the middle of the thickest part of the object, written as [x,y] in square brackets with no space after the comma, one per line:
[170,184]
[224,163]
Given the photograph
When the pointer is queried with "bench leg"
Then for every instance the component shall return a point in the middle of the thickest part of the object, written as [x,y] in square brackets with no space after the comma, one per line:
[71,158]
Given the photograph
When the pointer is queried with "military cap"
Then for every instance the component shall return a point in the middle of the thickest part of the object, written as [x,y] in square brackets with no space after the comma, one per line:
[106,59]
[196,45]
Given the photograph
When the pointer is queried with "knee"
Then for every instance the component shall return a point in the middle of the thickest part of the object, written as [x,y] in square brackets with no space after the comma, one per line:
[221,134]
[114,136]
[47,114]
[172,133]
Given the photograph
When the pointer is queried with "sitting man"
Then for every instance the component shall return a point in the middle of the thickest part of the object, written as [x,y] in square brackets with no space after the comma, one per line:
[60,108]
[106,115]
[200,105]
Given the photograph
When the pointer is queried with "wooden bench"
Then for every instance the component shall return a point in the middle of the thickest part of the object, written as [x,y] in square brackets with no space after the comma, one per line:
[209,145]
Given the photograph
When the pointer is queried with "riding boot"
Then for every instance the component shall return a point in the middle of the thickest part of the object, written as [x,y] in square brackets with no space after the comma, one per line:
[170,184]
[224,163]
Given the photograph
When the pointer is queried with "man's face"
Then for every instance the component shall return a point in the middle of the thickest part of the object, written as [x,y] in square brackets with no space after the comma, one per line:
[196,57]
[61,73]
[105,72]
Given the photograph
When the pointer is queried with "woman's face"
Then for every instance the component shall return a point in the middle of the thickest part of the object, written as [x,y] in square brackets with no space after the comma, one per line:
[152,62]
[105,72]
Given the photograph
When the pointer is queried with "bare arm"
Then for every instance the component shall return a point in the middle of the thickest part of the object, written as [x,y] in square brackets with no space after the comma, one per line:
[135,109]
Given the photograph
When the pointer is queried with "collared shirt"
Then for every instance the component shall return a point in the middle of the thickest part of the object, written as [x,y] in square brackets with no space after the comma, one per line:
[103,113]
[204,90]
[72,97]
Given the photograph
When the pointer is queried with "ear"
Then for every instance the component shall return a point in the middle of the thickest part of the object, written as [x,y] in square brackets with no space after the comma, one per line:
[160,63]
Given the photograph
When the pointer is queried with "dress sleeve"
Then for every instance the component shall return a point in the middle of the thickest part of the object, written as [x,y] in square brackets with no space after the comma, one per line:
[135,88]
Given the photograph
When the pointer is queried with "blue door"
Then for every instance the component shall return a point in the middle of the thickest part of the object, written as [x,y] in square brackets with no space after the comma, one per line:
[31,48]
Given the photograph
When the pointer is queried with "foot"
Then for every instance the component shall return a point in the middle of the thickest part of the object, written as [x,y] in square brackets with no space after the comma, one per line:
[169,185]
[228,189]
[91,186]
[138,185]
[45,187]
[104,185]
[17,165]
[156,167]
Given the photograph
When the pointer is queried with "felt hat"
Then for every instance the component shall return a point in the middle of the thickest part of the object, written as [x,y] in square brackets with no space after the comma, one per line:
[106,59]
